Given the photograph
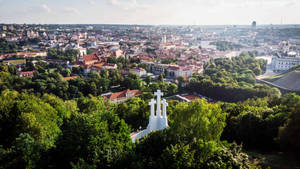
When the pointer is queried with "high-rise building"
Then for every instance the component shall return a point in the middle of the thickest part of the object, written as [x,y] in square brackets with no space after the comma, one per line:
[254,24]
[164,39]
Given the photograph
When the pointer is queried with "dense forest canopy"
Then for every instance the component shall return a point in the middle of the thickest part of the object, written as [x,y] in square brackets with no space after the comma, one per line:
[68,54]
[47,132]
[232,79]
[6,47]
[13,47]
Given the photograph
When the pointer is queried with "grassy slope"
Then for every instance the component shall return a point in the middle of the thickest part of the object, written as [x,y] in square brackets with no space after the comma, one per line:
[274,78]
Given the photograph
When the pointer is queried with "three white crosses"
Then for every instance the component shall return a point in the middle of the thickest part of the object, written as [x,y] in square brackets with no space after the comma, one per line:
[158,102]
[157,121]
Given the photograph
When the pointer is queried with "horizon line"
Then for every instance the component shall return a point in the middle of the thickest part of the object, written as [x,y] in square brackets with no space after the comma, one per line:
[278,24]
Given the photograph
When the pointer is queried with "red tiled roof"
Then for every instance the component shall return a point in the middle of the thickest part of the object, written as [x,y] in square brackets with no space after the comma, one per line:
[69,78]
[121,94]
[185,68]
[90,57]
[99,64]
[27,72]
[191,97]
[173,67]
[145,58]
[87,66]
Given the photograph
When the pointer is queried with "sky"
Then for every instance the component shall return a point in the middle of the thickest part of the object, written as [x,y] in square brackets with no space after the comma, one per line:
[150,12]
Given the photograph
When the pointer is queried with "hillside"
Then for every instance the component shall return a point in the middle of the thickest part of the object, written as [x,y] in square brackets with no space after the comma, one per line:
[273,78]
[290,81]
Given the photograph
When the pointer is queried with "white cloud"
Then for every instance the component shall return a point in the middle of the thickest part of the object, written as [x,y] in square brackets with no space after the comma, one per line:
[46,8]
[114,2]
[127,4]
[91,2]
[292,3]
[72,10]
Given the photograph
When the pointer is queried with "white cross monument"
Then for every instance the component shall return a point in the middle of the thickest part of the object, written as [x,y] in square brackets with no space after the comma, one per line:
[158,94]
[165,118]
[157,121]
[151,104]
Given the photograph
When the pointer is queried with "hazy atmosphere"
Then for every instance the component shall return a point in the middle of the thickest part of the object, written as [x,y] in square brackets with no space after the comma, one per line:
[187,12]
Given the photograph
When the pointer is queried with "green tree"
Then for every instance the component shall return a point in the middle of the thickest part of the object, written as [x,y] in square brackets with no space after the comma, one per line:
[181,81]
[198,120]
[160,78]
[23,113]
[288,136]
[178,156]
[191,141]
[6,47]
[29,126]
[24,153]
[148,80]
[172,89]
[99,138]
[135,113]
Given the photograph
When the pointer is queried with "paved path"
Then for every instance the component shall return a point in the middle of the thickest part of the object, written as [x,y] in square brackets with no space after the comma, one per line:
[269,72]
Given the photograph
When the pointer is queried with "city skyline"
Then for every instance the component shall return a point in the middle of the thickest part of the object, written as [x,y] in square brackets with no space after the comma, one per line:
[146,12]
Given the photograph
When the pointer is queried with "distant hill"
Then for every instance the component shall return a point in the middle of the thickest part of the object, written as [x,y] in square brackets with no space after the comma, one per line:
[290,81]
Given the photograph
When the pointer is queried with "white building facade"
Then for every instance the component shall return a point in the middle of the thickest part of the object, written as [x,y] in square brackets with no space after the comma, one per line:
[284,63]
[138,71]
[176,71]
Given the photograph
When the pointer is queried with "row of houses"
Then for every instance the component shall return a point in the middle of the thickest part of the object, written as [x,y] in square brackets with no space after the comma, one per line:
[94,62]
[121,96]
